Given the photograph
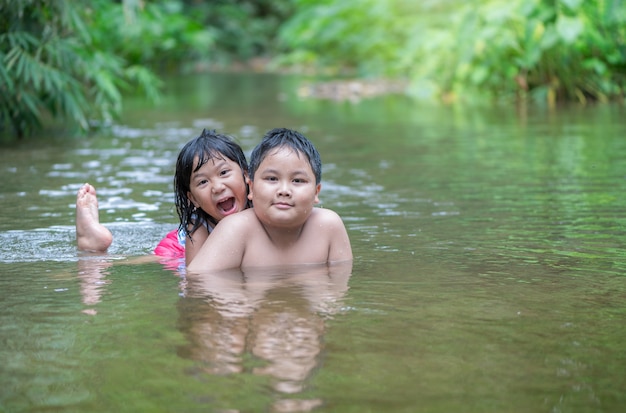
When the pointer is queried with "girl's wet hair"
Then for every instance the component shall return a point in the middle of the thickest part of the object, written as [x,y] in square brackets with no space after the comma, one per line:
[283,137]
[209,145]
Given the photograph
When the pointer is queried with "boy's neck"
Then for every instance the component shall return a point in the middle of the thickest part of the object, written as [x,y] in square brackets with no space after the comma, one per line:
[282,237]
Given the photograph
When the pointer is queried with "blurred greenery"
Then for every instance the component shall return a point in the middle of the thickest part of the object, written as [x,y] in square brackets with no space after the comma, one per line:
[544,50]
[71,62]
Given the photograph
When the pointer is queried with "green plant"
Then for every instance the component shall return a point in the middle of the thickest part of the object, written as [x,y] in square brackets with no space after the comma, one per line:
[50,68]
[242,29]
[361,34]
[156,34]
[548,50]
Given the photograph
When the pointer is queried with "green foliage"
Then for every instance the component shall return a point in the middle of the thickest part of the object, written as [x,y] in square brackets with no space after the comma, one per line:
[38,64]
[546,49]
[357,34]
[156,34]
[552,50]
[72,61]
[242,29]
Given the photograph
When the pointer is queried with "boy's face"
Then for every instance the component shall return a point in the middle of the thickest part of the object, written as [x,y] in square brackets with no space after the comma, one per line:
[218,187]
[284,189]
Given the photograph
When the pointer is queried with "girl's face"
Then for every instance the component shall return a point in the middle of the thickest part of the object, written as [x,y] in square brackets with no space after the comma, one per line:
[218,187]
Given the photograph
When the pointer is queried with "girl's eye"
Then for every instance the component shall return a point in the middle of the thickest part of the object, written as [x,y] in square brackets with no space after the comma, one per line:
[271,178]
[202,182]
[224,172]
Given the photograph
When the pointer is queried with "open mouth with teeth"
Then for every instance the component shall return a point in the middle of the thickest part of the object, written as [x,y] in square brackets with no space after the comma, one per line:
[228,206]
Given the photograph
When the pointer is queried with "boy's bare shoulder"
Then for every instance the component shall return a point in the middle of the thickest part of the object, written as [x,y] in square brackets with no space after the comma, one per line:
[325,217]
[245,218]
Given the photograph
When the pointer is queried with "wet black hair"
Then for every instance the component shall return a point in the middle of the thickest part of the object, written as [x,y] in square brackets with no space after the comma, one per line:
[209,145]
[283,137]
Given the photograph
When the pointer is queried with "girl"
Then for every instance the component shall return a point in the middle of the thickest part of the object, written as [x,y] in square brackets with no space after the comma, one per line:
[210,183]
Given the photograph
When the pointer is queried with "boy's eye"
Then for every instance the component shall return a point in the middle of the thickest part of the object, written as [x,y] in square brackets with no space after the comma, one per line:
[299,181]
[224,172]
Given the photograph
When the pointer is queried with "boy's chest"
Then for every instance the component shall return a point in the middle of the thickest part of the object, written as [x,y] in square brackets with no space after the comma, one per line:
[268,254]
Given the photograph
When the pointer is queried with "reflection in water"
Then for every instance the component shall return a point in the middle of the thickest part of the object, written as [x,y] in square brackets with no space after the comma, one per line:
[93,269]
[92,273]
[274,317]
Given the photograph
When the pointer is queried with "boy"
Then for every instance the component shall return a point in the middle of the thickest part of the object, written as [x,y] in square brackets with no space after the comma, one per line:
[283,227]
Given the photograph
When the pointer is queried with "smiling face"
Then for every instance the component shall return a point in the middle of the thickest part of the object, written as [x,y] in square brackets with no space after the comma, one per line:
[284,189]
[218,187]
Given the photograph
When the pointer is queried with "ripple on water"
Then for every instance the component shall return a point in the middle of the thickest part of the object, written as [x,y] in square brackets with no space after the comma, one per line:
[58,243]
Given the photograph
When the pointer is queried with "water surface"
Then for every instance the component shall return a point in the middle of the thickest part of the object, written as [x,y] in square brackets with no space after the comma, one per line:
[488,274]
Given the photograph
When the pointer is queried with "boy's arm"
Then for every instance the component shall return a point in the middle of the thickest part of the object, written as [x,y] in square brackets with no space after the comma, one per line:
[192,247]
[224,247]
[340,248]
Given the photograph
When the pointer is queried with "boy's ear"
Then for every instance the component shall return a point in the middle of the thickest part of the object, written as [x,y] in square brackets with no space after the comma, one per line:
[250,185]
[318,188]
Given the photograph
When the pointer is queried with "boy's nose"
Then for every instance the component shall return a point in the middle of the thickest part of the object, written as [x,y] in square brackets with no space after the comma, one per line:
[284,190]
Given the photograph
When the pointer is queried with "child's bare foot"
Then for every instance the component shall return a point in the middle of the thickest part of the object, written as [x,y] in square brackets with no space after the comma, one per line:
[90,234]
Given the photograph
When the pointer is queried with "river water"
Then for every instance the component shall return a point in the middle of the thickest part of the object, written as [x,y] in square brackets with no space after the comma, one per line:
[489,271]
